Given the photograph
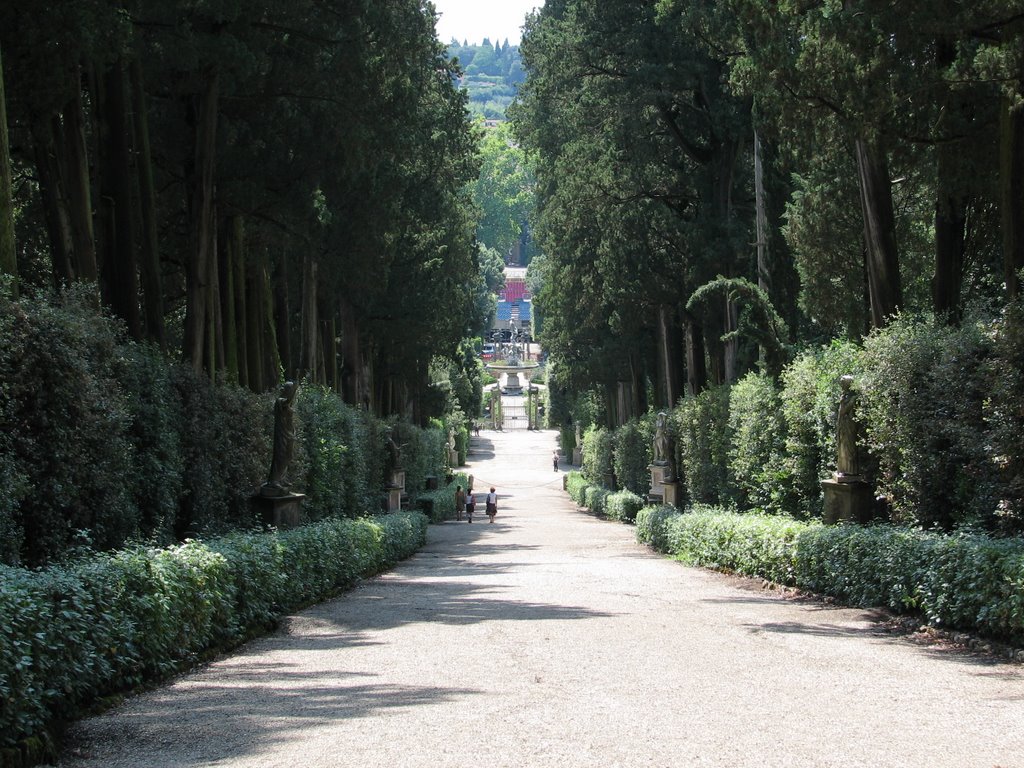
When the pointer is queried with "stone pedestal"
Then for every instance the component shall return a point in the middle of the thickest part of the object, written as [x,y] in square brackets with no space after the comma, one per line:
[847,498]
[671,493]
[394,498]
[283,511]
[577,457]
[512,383]
[453,458]
[664,489]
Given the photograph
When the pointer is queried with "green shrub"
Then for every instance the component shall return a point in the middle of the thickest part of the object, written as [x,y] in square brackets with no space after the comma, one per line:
[108,621]
[632,455]
[335,449]
[1004,418]
[702,426]
[964,581]
[757,431]
[576,485]
[922,400]
[66,419]
[751,544]
[623,505]
[442,500]
[597,455]
[809,400]
[596,498]
[652,525]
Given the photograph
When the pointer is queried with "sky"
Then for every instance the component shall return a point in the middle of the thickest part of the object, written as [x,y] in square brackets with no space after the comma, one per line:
[473,20]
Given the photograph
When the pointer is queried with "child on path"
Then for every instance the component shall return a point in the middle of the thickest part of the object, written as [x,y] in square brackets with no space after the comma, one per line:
[460,501]
[492,504]
[554,460]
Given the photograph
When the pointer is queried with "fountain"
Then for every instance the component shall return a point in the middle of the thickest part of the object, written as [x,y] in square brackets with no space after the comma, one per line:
[512,367]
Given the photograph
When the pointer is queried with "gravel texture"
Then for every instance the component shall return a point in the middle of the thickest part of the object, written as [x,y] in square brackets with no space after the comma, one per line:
[550,638]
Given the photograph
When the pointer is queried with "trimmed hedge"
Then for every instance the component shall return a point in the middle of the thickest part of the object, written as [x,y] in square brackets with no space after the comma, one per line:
[576,485]
[441,502]
[966,581]
[72,634]
[596,499]
[623,505]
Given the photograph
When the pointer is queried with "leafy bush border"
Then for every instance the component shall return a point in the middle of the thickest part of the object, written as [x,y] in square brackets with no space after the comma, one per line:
[964,581]
[72,634]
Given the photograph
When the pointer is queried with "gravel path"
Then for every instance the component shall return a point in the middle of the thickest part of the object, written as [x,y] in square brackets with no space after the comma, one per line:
[551,639]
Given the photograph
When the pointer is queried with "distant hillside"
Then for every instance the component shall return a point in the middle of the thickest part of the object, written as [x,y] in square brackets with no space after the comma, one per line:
[492,72]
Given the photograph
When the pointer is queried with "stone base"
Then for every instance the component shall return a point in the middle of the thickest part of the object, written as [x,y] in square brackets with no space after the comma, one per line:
[849,500]
[394,498]
[278,511]
[577,457]
[671,494]
[453,458]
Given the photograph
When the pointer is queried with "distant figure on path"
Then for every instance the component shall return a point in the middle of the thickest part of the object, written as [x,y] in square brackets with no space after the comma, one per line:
[492,504]
[554,460]
[460,501]
[470,505]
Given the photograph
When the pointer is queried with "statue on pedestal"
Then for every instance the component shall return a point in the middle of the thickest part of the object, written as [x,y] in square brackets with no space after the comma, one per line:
[663,453]
[284,441]
[847,432]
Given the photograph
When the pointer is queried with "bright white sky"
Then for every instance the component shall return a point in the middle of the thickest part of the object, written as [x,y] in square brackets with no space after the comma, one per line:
[473,20]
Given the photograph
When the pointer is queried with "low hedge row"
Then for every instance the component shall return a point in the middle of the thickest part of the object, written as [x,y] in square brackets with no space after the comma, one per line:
[624,506]
[439,504]
[965,581]
[72,634]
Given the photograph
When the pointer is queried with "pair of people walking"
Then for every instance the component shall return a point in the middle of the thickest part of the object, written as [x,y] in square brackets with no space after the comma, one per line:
[466,500]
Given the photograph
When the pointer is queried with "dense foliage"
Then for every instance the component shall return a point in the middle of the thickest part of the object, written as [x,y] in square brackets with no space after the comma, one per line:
[105,441]
[106,622]
[725,185]
[968,581]
[491,75]
[266,190]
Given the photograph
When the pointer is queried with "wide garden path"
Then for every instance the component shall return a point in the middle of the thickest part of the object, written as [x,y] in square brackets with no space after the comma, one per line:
[551,639]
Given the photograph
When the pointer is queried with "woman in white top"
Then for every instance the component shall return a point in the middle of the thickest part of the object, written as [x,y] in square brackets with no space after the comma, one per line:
[492,504]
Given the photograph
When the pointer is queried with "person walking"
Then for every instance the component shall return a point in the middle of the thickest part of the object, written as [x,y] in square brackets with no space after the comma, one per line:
[554,460]
[460,501]
[470,505]
[492,504]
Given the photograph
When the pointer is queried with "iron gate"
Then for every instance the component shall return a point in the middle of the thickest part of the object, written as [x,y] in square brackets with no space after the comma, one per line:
[513,413]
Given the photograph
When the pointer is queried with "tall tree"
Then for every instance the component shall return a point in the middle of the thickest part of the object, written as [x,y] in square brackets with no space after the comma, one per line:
[8,254]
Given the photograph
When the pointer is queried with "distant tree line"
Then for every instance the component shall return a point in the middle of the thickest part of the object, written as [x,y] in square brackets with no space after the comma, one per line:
[491,75]
[266,192]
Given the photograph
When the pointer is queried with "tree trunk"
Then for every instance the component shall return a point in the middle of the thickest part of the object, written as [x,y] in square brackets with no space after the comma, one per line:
[351,360]
[669,346]
[950,237]
[329,334]
[280,312]
[119,269]
[271,352]
[879,232]
[254,325]
[236,241]
[764,265]
[950,207]
[77,188]
[202,225]
[1011,188]
[55,210]
[310,321]
[215,362]
[8,252]
[228,299]
[696,368]
[149,262]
